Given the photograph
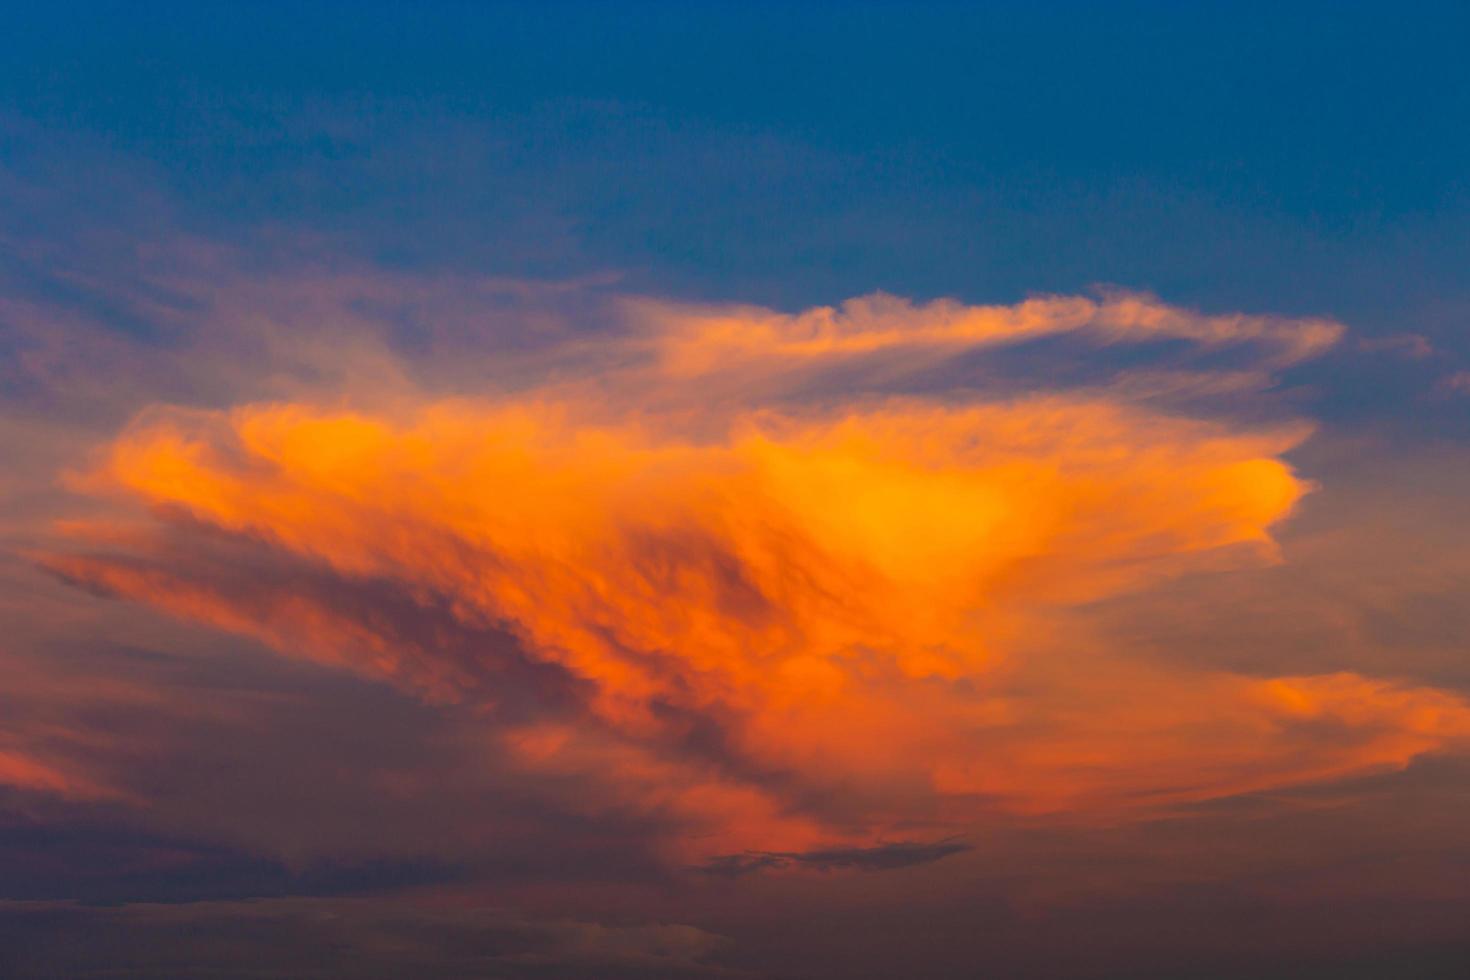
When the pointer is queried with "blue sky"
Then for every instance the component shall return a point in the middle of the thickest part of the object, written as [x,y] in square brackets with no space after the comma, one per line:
[1311,158]
[1307,160]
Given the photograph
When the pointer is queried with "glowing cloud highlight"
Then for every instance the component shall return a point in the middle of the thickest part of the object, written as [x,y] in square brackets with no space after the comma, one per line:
[785,624]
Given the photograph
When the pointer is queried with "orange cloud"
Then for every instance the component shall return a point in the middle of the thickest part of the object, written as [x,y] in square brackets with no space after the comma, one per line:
[18,770]
[698,339]
[21,770]
[785,625]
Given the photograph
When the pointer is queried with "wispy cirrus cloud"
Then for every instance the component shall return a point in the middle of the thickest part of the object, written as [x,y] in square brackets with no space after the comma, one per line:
[700,338]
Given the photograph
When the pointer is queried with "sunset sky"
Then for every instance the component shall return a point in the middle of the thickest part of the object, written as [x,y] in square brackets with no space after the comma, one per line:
[741,490]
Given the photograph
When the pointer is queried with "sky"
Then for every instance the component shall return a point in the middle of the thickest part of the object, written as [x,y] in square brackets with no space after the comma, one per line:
[748,490]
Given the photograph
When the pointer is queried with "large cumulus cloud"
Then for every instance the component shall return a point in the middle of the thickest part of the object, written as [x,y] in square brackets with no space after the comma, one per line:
[733,567]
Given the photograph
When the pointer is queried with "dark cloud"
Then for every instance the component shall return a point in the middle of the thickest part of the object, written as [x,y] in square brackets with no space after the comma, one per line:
[413,636]
[101,855]
[224,772]
[373,940]
[881,857]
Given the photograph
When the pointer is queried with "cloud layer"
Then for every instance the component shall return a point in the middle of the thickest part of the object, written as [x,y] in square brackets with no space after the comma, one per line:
[727,567]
